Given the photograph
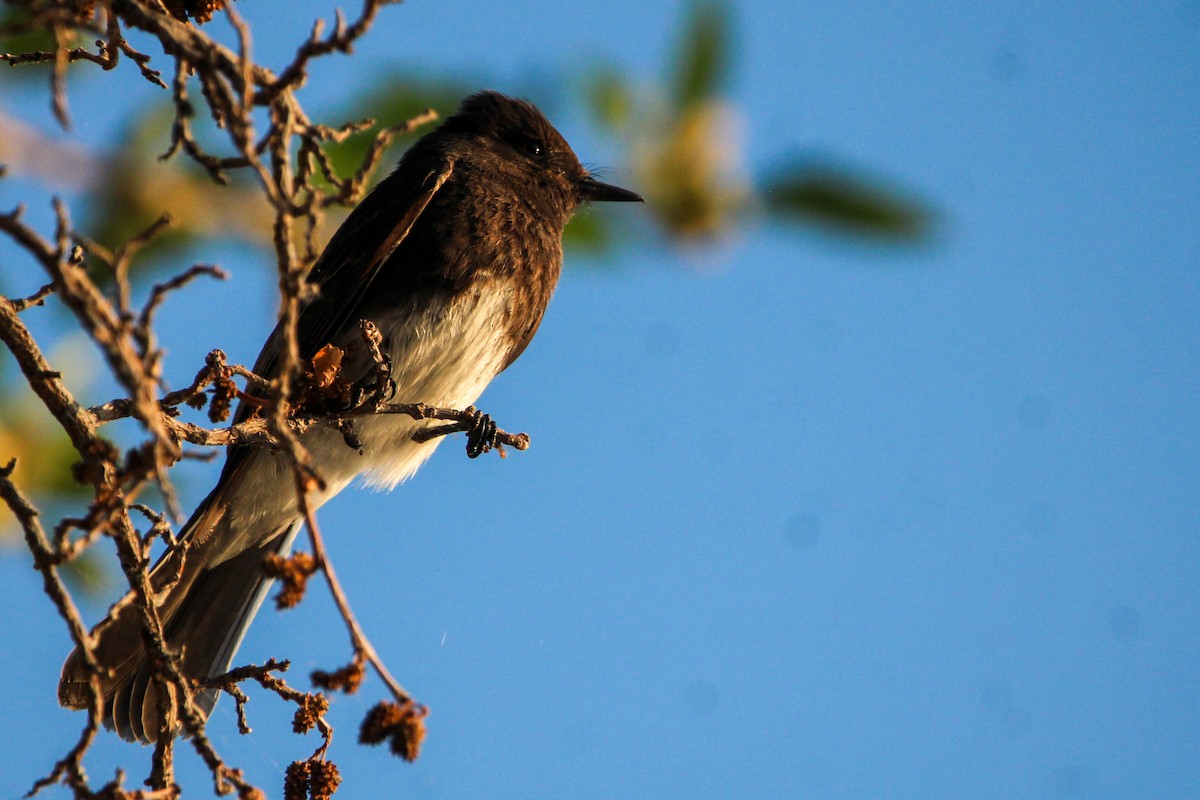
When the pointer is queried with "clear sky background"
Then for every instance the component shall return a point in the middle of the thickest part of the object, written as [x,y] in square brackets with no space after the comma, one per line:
[802,518]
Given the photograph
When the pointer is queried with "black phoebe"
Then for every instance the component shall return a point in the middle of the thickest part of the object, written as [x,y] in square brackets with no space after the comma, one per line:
[454,257]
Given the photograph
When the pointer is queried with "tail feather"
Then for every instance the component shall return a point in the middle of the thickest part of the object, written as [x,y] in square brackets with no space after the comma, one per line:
[205,615]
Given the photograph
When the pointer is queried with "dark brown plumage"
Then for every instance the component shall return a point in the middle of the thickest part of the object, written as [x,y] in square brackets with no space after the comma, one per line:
[454,256]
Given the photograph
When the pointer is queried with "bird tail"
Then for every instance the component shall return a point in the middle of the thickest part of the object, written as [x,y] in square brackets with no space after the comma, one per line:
[204,613]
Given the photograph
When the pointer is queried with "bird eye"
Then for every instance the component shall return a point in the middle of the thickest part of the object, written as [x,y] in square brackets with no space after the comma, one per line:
[533,148]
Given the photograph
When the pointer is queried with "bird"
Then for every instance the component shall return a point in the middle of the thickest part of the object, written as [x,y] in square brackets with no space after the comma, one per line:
[454,257]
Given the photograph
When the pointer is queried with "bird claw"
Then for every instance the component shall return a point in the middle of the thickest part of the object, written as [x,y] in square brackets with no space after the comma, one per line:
[481,436]
[372,395]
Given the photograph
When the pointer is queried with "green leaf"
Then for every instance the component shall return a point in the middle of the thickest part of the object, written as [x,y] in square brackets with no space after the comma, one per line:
[702,57]
[846,201]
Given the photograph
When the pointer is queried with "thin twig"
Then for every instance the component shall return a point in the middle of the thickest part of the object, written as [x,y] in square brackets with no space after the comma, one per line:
[36,299]
[358,638]
[285,155]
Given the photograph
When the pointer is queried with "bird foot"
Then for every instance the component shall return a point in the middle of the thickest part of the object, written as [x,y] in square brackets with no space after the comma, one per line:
[481,436]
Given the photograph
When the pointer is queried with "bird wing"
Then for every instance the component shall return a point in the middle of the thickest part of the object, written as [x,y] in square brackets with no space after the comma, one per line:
[352,260]
[343,276]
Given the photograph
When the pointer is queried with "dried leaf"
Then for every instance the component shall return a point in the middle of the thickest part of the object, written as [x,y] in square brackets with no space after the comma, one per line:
[326,365]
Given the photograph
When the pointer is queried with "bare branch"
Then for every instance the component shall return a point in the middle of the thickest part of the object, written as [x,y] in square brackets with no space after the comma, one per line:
[160,291]
[287,158]
[36,299]
[71,765]
[50,389]
[340,40]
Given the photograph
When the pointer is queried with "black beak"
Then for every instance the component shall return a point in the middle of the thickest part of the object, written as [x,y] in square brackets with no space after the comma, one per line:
[594,190]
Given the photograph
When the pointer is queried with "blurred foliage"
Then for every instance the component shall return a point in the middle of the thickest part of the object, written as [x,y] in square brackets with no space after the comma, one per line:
[701,65]
[44,456]
[682,138]
[691,171]
[683,150]
[587,232]
[88,575]
[392,99]
[43,452]
[687,156]
[28,40]
[838,199]
[136,187]
[611,98]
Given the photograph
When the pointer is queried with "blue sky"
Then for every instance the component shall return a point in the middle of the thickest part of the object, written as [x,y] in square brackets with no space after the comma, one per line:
[802,518]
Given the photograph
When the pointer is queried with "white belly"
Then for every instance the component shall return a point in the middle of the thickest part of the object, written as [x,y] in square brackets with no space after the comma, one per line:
[443,359]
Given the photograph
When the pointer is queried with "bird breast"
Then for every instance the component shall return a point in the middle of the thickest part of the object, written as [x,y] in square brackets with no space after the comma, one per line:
[444,349]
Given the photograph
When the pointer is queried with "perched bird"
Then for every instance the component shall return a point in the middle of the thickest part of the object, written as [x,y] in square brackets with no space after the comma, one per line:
[454,257]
